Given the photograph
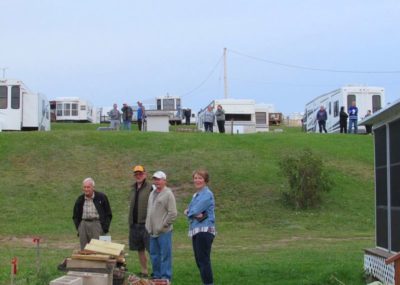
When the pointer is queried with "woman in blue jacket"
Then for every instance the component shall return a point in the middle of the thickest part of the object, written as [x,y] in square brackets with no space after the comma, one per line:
[201,216]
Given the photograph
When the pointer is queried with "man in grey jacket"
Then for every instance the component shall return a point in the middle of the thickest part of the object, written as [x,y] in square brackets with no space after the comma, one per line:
[161,213]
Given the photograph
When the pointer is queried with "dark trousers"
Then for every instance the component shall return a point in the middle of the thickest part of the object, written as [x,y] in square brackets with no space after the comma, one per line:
[321,125]
[202,250]
[208,127]
[343,127]
[139,124]
[221,126]
[368,129]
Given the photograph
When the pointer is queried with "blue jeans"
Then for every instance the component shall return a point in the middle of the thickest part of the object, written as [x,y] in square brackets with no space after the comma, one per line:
[202,250]
[127,125]
[353,122]
[161,255]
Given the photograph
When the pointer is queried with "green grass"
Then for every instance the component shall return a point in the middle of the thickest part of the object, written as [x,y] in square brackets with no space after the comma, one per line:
[259,240]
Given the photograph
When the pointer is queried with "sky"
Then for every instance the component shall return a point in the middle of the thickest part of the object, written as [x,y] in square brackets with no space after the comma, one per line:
[284,52]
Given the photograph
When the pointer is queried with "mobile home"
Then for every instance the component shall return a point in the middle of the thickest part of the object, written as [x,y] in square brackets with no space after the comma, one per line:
[241,115]
[366,98]
[73,109]
[171,104]
[21,109]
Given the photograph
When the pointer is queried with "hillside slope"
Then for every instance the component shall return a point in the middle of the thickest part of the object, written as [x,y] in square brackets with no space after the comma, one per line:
[41,175]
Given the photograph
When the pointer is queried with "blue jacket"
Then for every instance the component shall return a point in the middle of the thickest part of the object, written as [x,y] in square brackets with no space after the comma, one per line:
[322,115]
[202,201]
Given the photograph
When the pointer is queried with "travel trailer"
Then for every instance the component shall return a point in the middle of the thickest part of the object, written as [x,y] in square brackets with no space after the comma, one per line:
[73,109]
[171,104]
[21,109]
[241,116]
[366,98]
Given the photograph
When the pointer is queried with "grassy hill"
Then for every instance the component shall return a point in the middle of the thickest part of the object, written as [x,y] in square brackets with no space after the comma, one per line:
[259,240]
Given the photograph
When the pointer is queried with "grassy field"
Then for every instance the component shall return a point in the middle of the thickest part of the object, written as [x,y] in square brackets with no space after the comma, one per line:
[259,240]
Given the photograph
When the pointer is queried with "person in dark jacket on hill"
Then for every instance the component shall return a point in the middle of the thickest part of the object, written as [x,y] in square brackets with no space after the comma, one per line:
[92,213]
[322,116]
[343,120]
[139,239]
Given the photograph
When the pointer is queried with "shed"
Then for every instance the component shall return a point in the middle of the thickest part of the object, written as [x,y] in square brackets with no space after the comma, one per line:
[379,261]
[157,121]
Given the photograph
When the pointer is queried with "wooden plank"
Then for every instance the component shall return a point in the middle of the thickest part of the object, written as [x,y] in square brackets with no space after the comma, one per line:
[103,250]
[107,244]
[80,263]
[102,257]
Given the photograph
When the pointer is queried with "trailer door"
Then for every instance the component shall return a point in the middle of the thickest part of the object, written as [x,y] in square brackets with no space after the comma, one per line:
[10,107]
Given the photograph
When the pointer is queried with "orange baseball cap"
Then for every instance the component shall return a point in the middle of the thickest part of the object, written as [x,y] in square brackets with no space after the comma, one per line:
[138,168]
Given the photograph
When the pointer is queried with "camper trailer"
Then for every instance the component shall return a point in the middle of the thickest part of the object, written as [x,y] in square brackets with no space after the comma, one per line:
[241,116]
[72,109]
[21,109]
[366,98]
[171,104]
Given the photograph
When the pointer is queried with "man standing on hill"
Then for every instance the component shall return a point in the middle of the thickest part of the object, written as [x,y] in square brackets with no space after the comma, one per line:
[140,115]
[92,213]
[138,236]
[115,118]
[353,117]
[322,116]
[161,213]
[127,114]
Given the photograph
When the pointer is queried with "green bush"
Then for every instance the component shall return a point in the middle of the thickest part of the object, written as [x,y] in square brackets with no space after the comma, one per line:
[307,180]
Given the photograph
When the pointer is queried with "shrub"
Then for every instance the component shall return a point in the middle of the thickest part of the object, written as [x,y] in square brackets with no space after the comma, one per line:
[307,180]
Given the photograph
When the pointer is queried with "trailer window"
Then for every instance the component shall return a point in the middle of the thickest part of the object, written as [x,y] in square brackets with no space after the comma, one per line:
[59,110]
[168,105]
[74,110]
[67,109]
[336,108]
[158,104]
[330,108]
[261,118]
[15,97]
[376,103]
[3,97]
[238,117]
[350,99]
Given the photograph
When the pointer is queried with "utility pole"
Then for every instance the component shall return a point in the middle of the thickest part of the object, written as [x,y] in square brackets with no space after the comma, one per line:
[4,71]
[225,77]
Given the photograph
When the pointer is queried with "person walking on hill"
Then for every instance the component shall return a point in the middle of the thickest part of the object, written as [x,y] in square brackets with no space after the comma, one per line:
[201,216]
[92,213]
[161,213]
[368,128]
[208,119]
[127,114]
[138,237]
[141,115]
[353,117]
[115,118]
[220,116]
[343,120]
[322,116]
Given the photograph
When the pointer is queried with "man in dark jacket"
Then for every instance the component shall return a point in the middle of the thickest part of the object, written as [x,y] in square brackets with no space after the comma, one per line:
[139,238]
[92,213]
[322,116]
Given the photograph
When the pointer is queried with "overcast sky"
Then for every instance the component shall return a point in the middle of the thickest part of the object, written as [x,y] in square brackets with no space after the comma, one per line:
[128,50]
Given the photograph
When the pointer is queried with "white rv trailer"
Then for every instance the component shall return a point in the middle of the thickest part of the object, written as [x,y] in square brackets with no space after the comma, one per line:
[241,116]
[366,98]
[21,109]
[171,104]
[73,109]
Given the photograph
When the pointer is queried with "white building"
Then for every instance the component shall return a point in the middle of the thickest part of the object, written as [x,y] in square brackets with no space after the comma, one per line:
[70,109]
[21,109]
[241,115]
